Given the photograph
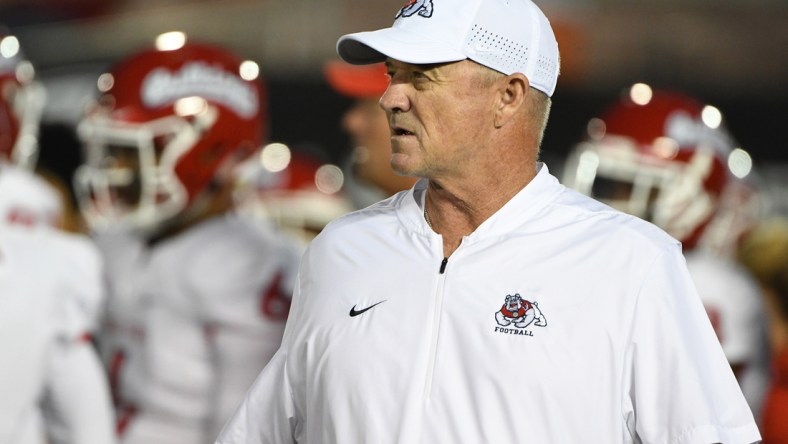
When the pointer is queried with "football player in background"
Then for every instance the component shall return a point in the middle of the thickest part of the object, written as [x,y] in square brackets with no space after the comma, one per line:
[51,288]
[366,123]
[300,192]
[198,295]
[665,157]
[25,198]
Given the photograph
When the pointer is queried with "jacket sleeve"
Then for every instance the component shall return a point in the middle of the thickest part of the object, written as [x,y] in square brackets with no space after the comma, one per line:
[679,387]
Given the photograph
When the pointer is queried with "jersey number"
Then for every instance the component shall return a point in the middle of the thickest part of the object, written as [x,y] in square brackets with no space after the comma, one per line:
[275,303]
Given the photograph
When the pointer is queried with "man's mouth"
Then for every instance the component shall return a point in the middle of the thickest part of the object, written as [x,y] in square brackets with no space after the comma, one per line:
[398,131]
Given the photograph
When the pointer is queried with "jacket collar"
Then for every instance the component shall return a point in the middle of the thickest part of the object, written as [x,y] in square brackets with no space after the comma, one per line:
[524,206]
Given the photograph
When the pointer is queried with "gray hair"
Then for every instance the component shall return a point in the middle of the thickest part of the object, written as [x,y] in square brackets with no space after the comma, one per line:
[539,105]
[537,108]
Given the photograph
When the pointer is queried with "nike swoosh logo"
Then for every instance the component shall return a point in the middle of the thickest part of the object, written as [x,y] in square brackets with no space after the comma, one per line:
[354,312]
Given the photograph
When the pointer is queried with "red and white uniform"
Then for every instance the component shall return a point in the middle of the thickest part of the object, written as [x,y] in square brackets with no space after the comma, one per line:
[191,320]
[26,199]
[46,359]
[387,342]
[734,303]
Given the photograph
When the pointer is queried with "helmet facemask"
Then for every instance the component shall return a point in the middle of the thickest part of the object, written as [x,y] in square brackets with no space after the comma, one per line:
[166,130]
[671,153]
[129,173]
[668,193]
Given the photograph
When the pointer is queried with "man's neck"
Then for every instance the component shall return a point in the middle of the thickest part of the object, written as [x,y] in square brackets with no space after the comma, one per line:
[455,210]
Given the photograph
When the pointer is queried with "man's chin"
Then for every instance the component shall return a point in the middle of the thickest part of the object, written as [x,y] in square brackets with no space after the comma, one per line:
[402,167]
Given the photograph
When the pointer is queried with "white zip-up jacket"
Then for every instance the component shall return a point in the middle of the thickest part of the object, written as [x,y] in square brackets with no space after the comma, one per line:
[559,320]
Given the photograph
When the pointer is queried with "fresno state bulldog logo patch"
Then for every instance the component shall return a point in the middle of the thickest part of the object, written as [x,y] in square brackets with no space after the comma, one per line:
[420,7]
[518,314]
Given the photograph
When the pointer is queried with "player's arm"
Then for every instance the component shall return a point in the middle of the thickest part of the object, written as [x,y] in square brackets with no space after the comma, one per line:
[238,359]
[76,401]
[241,349]
[268,413]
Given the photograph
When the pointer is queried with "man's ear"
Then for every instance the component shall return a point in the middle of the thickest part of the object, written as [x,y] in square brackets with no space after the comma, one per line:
[513,91]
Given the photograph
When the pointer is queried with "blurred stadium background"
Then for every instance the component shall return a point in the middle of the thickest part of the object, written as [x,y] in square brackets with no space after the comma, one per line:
[731,53]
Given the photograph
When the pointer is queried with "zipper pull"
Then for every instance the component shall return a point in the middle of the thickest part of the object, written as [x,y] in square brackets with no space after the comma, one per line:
[443,264]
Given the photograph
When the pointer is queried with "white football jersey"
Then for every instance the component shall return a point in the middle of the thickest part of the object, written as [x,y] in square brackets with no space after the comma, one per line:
[734,303]
[558,320]
[190,322]
[26,199]
[45,277]
[30,201]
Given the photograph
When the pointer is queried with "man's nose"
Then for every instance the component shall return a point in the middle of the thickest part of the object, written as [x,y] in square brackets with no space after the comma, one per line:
[395,99]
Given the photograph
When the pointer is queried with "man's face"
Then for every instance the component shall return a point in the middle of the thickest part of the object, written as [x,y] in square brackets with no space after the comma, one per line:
[439,116]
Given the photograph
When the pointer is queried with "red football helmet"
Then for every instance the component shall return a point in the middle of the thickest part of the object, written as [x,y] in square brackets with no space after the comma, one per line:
[21,103]
[659,155]
[295,190]
[168,125]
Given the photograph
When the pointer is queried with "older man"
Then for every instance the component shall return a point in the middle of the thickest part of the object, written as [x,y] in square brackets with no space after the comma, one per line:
[488,304]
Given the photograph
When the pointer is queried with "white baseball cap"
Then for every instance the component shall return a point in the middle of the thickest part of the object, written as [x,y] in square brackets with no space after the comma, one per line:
[506,35]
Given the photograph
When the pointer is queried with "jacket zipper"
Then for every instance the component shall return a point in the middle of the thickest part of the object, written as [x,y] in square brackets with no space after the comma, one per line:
[436,323]
[443,265]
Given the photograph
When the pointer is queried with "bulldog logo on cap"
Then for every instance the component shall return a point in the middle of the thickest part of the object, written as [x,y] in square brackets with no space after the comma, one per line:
[421,7]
